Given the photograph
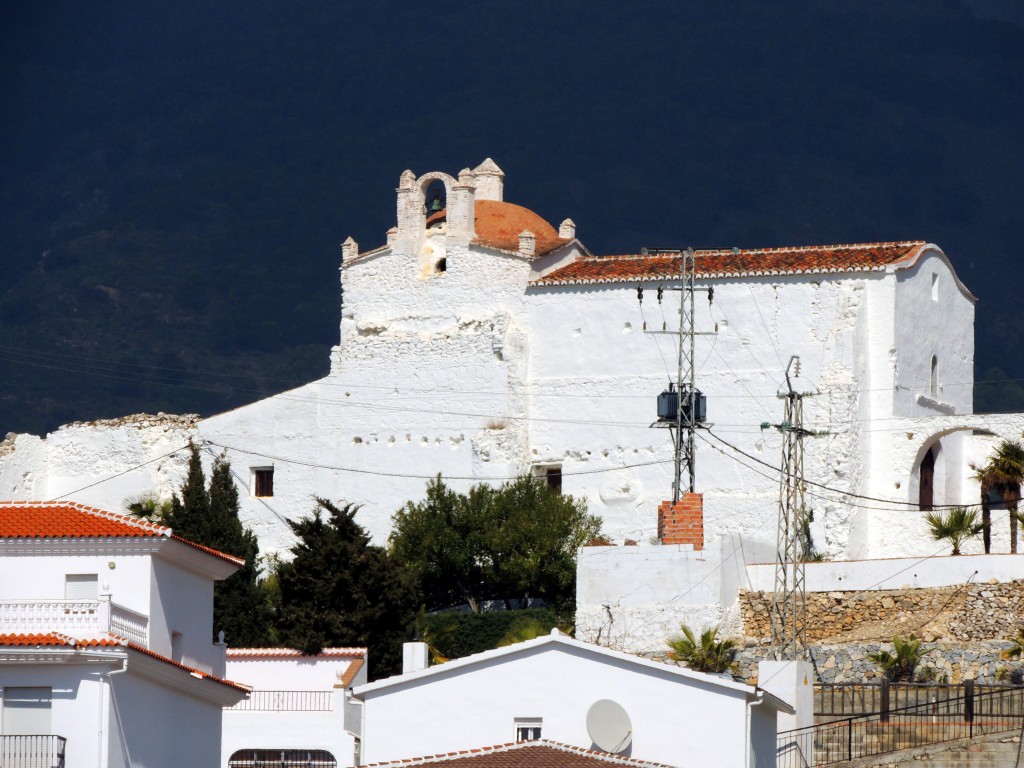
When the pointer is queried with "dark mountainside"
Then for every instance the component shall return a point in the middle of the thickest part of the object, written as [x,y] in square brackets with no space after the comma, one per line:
[177,177]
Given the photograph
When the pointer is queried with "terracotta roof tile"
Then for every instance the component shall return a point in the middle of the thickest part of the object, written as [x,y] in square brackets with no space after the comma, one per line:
[524,754]
[52,639]
[814,259]
[191,670]
[57,639]
[71,520]
[291,653]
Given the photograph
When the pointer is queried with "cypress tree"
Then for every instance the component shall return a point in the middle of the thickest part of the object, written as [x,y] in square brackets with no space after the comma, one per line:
[341,590]
[210,517]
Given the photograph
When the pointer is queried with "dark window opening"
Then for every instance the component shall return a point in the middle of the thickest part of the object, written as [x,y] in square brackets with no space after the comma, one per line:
[263,482]
[441,266]
[552,475]
[528,730]
[927,481]
[282,758]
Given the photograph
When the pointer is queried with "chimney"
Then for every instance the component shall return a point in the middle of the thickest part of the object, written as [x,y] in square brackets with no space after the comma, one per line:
[567,229]
[682,522]
[414,657]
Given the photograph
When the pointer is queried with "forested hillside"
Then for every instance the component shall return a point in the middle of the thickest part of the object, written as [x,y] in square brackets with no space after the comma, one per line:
[177,177]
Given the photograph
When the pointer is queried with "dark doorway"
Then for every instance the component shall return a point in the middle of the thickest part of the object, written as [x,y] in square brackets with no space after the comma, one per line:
[926,492]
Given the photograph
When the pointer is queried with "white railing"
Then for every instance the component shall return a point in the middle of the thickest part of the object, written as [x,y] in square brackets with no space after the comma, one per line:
[76,618]
[130,625]
[287,701]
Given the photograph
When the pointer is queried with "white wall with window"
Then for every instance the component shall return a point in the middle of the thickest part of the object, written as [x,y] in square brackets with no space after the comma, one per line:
[544,688]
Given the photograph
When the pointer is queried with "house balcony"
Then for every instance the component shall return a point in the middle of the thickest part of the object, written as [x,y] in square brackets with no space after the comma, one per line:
[287,701]
[32,751]
[76,618]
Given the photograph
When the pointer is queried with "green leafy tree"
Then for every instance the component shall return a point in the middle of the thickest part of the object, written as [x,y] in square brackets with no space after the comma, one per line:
[704,654]
[341,590]
[900,663]
[515,542]
[209,516]
[956,526]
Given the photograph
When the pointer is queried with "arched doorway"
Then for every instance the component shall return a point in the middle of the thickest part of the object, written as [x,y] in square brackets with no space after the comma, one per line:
[926,481]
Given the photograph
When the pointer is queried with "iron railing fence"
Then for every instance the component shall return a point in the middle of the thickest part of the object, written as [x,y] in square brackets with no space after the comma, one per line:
[287,701]
[839,700]
[282,758]
[34,751]
[973,711]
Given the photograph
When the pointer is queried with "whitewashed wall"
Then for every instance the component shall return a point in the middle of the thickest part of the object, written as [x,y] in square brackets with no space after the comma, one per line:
[678,717]
[474,374]
[291,728]
[77,704]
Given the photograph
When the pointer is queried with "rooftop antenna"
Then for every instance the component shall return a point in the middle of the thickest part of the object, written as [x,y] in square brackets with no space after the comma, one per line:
[789,600]
[682,407]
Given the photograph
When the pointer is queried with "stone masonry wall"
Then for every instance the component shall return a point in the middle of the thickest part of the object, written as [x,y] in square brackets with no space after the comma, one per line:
[963,613]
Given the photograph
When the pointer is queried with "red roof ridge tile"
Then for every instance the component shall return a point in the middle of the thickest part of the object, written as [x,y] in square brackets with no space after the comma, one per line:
[518,745]
[74,520]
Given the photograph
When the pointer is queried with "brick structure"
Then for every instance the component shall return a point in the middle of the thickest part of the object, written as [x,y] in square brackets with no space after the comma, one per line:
[682,522]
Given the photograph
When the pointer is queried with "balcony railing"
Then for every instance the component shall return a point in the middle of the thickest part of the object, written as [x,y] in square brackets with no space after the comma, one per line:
[287,701]
[32,751]
[76,618]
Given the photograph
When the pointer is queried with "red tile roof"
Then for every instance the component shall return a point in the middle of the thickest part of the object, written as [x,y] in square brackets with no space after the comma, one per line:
[70,520]
[524,754]
[198,673]
[57,639]
[497,224]
[52,639]
[813,259]
[291,653]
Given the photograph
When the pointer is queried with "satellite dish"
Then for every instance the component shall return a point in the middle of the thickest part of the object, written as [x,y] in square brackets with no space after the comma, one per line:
[609,727]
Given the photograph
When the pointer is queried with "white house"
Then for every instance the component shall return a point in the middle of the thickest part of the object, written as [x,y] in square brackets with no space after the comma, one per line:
[299,712]
[572,693]
[480,342]
[106,656]
[524,754]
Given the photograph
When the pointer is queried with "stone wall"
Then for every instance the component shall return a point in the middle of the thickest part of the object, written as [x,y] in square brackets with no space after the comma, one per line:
[942,662]
[954,614]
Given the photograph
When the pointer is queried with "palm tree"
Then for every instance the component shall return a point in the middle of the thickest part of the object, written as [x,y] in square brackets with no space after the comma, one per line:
[956,526]
[901,663]
[709,654]
[1003,474]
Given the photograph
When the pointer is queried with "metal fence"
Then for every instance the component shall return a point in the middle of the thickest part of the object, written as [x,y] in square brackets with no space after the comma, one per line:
[32,751]
[282,758]
[287,701]
[852,699]
[971,711]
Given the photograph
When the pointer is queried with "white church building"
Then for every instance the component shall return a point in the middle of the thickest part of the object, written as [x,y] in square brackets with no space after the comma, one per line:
[480,342]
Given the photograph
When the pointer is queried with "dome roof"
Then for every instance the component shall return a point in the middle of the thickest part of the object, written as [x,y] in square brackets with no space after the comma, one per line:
[498,225]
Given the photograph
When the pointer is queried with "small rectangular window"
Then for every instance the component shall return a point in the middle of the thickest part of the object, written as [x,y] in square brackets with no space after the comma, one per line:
[935,286]
[528,728]
[27,711]
[262,481]
[81,586]
[551,474]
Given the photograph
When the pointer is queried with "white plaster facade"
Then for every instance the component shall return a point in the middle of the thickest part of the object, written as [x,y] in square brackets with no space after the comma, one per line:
[676,717]
[298,704]
[121,650]
[470,348]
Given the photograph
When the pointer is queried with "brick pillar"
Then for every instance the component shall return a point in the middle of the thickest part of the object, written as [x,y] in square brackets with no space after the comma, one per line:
[683,522]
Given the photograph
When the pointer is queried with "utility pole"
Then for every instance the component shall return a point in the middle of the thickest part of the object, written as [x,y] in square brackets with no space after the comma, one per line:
[789,600]
[683,407]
